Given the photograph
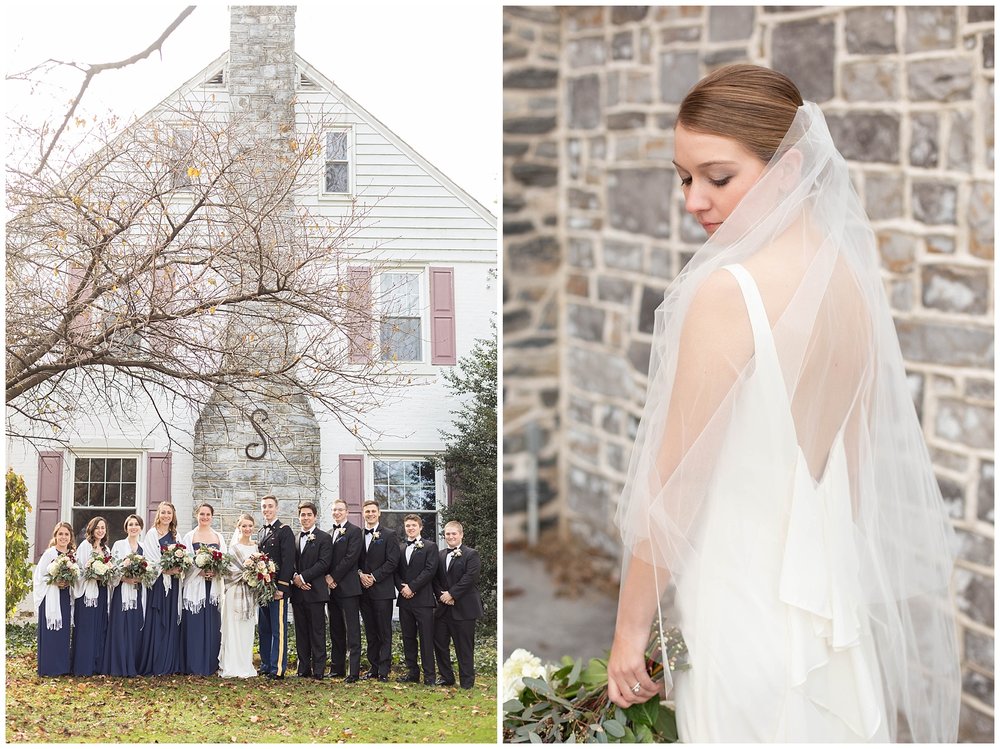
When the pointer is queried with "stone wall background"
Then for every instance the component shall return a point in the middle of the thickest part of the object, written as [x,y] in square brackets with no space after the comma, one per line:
[594,230]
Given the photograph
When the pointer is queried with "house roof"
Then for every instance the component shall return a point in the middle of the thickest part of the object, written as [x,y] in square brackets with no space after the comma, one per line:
[201,80]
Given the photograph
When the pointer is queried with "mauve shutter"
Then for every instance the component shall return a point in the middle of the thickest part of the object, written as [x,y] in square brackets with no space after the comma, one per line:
[157,484]
[442,285]
[358,320]
[352,484]
[49,504]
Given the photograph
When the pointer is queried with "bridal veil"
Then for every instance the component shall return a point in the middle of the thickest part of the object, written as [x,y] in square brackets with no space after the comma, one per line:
[802,233]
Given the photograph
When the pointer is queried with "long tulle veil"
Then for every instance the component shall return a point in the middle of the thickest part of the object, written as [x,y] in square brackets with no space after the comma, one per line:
[844,376]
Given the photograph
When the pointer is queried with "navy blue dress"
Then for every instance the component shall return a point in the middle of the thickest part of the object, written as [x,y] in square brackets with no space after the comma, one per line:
[90,630]
[201,633]
[124,642]
[161,635]
[53,644]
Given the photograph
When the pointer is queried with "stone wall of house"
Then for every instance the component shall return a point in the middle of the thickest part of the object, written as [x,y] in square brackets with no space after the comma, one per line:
[533,259]
[908,93]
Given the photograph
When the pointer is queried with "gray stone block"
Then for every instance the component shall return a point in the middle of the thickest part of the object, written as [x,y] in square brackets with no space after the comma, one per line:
[514,51]
[953,494]
[898,250]
[974,593]
[628,13]
[599,373]
[539,256]
[588,494]
[679,71]
[584,100]
[585,52]
[615,290]
[648,304]
[638,201]
[637,88]
[934,202]
[988,51]
[901,294]
[719,57]
[623,45]
[985,493]
[622,255]
[956,289]
[943,79]
[940,244]
[883,195]
[948,344]
[866,136]
[870,30]
[584,322]
[729,23]
[979,649]
[638,356]
[975,726]
[580,410]
[870,81]
[805,52]
[978,685]
[531,78]
[930,27]
[681,34]
[981,220]
[581,253]
[964,423]
[980,13]
[626,120]
[975,548]
[924,139]
[535,175]
[583,199]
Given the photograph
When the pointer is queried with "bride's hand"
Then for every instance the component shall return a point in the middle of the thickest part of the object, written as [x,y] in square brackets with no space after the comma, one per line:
[626,669]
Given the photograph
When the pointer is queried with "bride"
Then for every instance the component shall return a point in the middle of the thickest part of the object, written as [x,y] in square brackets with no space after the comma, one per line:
[239,609]
[779,477]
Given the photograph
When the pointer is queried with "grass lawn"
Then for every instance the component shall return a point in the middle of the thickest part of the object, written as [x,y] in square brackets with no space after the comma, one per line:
[211,710]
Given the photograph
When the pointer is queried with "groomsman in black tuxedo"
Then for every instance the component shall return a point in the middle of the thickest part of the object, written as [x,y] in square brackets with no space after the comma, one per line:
[278,542]
[313,553]
[345,595]
[378,563]
[414,576]
[455,587]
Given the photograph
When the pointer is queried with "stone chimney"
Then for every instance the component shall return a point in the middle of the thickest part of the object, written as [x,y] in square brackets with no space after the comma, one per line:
[262,63]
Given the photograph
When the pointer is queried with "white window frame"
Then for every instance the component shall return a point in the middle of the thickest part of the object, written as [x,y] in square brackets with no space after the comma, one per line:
[440,488]
[351,165]
[423,302]
[69,478]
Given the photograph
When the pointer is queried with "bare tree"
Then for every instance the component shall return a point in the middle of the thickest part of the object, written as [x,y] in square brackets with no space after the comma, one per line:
[172,264]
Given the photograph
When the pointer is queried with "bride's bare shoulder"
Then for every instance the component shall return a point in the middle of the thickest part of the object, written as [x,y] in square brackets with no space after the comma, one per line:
[717,318]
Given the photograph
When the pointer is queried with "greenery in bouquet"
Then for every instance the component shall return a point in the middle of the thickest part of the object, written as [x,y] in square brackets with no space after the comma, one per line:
[569,703]
[136,567]
[212,560]
[99,568]
[175,557]
[258,574]
[62,569]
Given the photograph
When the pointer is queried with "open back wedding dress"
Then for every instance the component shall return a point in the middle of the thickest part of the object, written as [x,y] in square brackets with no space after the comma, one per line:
[780,479]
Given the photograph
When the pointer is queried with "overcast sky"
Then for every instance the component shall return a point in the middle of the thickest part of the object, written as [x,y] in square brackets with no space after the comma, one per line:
[429,71]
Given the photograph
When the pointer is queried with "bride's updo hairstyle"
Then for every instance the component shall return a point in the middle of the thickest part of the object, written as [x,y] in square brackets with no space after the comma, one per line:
[752,105]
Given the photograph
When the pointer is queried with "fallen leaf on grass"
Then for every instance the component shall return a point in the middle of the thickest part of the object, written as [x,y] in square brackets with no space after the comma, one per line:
[254,718]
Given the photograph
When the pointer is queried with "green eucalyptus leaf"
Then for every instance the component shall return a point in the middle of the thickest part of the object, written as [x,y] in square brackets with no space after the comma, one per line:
[666,725]
[535,738]
[596,673]
[614,728]
[513,706]
[574,675]
[539,686]
[643,735]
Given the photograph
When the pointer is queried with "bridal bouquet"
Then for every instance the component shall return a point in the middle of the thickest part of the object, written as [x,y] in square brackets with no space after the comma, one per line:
[100,568]
[175,557]
[62,569]
[258,575]
[136,567]
[208,559]
[569,702]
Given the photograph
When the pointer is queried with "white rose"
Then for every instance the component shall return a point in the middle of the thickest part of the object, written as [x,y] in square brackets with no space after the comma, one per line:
[252,582]
[519,665]
[100,567]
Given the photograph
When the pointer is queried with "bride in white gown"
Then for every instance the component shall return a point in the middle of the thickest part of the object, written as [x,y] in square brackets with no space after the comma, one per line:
[779,477]
[239,610]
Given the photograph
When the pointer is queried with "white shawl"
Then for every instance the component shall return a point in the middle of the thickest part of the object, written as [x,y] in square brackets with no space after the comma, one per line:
[89,589]
[193,592]
[130,593]
[41,591]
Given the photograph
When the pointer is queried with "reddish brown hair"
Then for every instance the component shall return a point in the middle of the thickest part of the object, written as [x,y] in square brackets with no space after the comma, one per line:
[752,105]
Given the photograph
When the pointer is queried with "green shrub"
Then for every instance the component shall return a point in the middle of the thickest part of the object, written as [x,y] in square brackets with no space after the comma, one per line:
[18,566]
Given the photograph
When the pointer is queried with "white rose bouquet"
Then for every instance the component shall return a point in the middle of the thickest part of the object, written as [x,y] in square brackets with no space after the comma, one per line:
[136,567]
[100,568]
[175,558]
[208,559]
[519,665]
[62,569]
[258,575]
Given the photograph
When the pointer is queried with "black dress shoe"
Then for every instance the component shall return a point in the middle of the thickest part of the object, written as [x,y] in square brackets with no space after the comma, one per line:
[350,679]
[318,677]
[383,678]
[336,674]
[412,679]
[439,682]
[368,675]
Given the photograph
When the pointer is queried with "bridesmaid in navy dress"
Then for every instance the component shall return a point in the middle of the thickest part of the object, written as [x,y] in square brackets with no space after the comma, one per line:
[201,620]
[122,648]
[54,605]
[90,616]
[161,634]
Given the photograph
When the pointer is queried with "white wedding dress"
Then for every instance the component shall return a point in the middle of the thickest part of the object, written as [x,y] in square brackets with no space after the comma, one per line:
[771,606]
[236,653]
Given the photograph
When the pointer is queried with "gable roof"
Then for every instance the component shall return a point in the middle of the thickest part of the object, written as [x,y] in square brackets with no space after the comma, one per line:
[204,80]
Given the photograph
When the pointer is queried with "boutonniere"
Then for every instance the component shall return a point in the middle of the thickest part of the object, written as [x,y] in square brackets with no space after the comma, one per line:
[456,553]
[418,544]
[310,538]
[339,532]
[376,535]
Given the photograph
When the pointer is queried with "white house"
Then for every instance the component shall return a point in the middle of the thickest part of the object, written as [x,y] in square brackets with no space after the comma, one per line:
[438,248]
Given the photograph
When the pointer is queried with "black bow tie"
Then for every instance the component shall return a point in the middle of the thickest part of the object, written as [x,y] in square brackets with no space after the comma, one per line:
[369,531]
[304,533]
[408,542]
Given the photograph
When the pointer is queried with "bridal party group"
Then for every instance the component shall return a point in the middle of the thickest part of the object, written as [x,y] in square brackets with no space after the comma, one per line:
[156,604]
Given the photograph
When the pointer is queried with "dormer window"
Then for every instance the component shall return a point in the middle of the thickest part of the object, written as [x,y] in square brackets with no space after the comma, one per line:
[337,172]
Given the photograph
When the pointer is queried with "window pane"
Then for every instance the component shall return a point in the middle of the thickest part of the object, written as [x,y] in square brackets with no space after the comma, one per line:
[97,495]
[97,469]
[128,469]
[381,471]
[114,470]
[82,471]
[128,496]
[427,471]
[401,339]
[81,494]
[115,520]
[397,469]
[336,146]
[113,495]
[382,496]
[337,177]
[394,521]
[396,497]
[401,294]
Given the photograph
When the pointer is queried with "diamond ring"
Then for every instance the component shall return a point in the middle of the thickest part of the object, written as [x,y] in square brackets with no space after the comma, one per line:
[635,689]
